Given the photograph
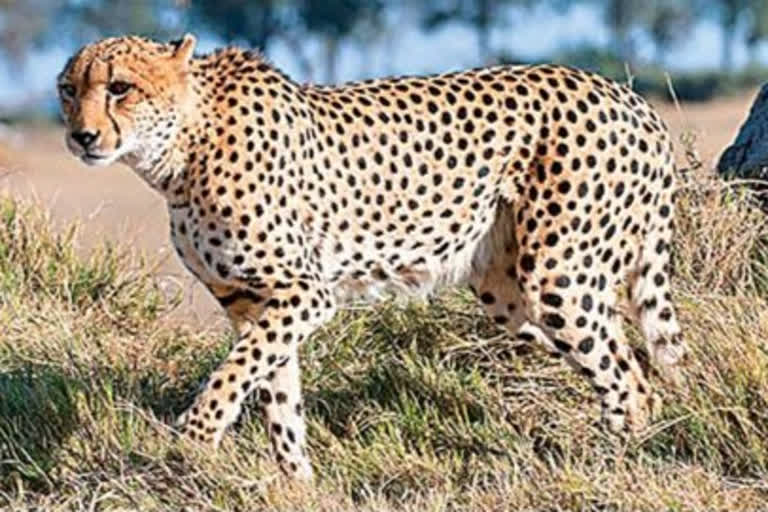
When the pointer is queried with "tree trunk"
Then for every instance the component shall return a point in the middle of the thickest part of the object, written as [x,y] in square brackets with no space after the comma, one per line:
[726,59]
[752,47]
[266,26]
[294,44]
[660,55]
[484,30]
[331,55]
[625,46]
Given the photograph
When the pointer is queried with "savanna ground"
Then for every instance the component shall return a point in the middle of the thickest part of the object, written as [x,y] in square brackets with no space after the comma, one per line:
[421,407]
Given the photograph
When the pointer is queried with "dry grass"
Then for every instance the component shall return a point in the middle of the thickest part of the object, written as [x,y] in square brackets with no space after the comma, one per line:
[422,408]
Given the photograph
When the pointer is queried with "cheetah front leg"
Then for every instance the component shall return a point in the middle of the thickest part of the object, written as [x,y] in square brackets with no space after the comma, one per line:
[265,358]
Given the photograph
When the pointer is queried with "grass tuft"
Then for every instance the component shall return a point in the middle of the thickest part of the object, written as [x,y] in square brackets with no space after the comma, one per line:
[422,407]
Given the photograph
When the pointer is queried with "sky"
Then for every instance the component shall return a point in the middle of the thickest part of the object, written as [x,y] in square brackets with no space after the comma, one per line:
[412,51]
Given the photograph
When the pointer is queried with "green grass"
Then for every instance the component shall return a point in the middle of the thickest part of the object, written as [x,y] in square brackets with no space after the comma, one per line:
[422,407]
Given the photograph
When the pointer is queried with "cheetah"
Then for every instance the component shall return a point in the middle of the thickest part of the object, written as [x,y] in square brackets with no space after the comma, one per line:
[547,190]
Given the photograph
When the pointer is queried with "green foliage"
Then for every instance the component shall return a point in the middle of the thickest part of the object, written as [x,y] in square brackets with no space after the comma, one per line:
[668,22]
[259,23]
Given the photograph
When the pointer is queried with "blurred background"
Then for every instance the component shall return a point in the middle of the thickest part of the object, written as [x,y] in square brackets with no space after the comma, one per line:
[710,47]
[715,53]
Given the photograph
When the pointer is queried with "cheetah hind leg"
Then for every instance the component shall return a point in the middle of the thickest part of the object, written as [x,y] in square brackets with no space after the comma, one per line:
[499,292]
[651,304]
[595,343]
[608,363]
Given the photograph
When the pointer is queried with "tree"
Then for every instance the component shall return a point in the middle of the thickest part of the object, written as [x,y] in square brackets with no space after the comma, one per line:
[757,28]
[735,14]
[626,19]
[666,22]
[260,23]
[23,24]
[669,22]
[257,23]
[481,15]
[730,14]
[622,16]
[88,20]
[335,20]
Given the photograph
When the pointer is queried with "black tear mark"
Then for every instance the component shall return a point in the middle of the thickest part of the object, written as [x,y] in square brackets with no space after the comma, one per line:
[109,115]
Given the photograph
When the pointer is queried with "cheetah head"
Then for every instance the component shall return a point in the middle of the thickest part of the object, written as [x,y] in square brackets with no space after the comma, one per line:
[124,99]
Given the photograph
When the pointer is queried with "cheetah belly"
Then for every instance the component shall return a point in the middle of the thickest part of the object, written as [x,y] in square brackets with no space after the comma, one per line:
[414,269]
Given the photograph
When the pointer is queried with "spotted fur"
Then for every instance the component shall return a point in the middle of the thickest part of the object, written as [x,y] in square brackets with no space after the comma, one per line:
[544,188]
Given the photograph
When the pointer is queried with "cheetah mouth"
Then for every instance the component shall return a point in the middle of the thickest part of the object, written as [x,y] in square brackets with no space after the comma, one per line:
[91,158]
[94,159]
[88,157]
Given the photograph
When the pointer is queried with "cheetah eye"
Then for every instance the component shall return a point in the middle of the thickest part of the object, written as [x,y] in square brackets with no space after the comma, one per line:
[119,88]
[67,91]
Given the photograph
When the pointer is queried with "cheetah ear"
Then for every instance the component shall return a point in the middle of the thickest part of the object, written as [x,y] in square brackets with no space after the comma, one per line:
[185,49]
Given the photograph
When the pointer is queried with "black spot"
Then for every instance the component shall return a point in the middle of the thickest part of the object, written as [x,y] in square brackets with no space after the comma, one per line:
[527,263]
[586,345]
[552,299]
[487,298]
[562,346]
[553,320]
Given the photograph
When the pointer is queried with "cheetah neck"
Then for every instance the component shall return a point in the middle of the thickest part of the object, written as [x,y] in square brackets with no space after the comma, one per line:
[165,165]
[171,166]
[164,171]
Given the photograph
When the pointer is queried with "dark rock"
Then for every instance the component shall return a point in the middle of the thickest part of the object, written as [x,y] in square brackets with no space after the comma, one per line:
[747,157]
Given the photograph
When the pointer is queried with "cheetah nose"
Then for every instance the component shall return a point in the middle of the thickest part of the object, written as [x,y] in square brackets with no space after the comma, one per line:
[85,138]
